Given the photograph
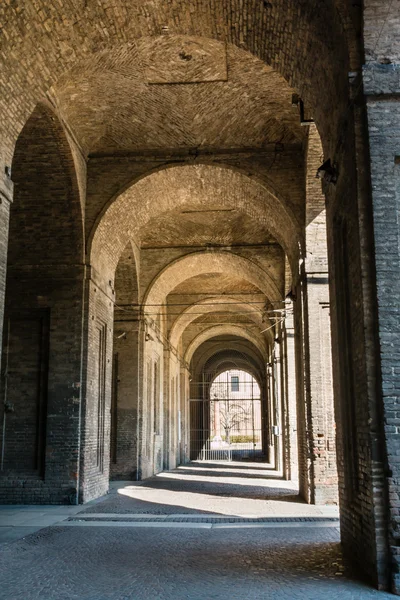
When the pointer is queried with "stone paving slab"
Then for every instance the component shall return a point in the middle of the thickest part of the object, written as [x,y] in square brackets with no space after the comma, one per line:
[18,521]
[188,534]
[189,524]
[188,517]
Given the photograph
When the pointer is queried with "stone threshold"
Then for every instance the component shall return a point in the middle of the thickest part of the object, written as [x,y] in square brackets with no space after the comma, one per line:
[198,521]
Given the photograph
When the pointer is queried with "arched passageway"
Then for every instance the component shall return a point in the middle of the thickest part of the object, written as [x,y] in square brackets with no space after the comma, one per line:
[226,423]
[162,223]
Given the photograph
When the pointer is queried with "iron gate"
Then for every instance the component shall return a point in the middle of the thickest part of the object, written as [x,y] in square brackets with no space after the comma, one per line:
[226,429]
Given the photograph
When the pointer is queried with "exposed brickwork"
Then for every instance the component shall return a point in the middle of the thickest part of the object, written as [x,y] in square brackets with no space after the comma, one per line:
[102,215]
[43,316]
[354,380]
[125,383]
[210,262]
[319,480]
[384,127]
[59,43]
[117,83]
[96,399]
[241,193]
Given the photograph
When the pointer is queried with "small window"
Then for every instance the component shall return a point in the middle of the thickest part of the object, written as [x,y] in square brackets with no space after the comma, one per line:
[234,383]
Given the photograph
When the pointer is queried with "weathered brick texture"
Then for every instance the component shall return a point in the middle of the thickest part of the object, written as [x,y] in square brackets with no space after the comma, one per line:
[159,170]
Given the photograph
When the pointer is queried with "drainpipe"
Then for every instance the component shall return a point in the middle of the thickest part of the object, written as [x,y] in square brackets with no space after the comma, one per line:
[7,406]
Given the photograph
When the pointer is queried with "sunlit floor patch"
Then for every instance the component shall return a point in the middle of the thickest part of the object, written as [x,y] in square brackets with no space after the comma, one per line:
[235,480]
[229,505]
[234,489]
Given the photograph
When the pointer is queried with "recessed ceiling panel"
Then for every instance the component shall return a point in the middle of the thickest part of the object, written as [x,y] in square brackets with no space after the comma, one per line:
[186,61]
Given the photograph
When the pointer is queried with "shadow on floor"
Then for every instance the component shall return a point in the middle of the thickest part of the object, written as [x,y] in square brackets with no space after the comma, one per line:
[102,563]
[202,488]
[266,468]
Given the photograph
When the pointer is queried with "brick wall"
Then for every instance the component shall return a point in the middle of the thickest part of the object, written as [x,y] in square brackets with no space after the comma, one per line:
[43,345]
[384,131]
[97,387]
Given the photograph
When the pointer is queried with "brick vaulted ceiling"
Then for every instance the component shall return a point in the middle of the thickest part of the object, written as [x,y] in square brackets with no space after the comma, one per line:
[188,189]
[134,77]
[171,92]
[309,42]
[197,226]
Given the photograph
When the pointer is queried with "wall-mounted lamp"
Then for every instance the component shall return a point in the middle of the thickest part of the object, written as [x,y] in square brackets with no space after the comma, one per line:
[290,296]
[298,103]
[8,407]
[148,338]
[328,172]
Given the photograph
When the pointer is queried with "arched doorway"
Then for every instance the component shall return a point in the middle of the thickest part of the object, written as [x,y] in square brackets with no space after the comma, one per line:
[227,423]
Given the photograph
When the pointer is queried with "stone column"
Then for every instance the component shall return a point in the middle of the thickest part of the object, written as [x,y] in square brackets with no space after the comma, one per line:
[291,402]
[125,397]
[320,431]
[270,412]
[278,401]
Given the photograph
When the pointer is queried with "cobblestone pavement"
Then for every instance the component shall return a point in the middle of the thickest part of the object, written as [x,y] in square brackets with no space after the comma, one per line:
[137,564]
[87,561]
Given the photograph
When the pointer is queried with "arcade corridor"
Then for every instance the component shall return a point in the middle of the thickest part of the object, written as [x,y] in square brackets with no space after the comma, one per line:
[199,284]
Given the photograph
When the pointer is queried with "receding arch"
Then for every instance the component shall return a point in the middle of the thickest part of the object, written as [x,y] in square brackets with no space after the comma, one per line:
[177,187]
[219,305]
[199,263]
[243,349]
[46,184]
[219,330]
[226,366]
[260,179]
[232,359]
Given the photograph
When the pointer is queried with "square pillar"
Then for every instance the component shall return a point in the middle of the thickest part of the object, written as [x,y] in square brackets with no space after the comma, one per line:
[291,401]
[125,398]
[318,477]
[382,90]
